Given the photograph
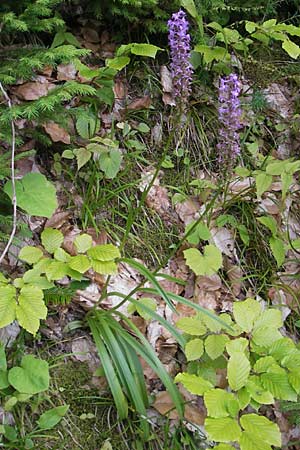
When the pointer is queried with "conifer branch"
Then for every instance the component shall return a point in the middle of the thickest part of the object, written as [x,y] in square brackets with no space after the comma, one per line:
[14,197]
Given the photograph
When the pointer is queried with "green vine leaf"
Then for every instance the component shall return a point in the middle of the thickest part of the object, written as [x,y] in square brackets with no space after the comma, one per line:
[207,264]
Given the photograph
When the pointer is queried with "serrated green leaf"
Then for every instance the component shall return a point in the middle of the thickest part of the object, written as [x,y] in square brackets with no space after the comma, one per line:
[207,264]
[32,377]
[263,364]
[80,263]
[105,252]
[56,270]
[83,243]
[270,317]
[238,370]
[263,428]
[52,417]
[35,194]
[278,384]
[281,348]
[51,239]
[292,360]
[220,403]
[224,447]
[264,336]
[243,397]
[194,349]
[144,50]
[191,325]
[263,182]
[278,249]
[30,254]
[104,267]
[246,312]
[193,383]
[223,429]
[83,155]
[150,303]
[61,255]
[31,308]
[215,345]
[237,345]
[258,392]
[294,380]
[7,305]
[250,442]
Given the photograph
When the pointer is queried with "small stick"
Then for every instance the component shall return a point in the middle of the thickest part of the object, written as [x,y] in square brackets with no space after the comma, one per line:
[14,197]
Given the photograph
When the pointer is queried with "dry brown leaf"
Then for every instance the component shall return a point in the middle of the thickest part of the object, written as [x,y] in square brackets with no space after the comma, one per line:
[235,275]
[195,414]
[223,239]
[33,90]
[209,282]
[187,210]
[164,405]
[167,86]
[158,199]
[58,219]
[90,35]
[57,133]
[140,103]
[66,72]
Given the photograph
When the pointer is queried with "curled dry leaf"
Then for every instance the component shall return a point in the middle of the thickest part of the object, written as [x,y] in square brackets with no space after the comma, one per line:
[158,199]
[66,72]
[223,239]
[235,275]
[167,86]
[164,405]
[58,219]
[187,210]
[57,133]
[33,90]
[88,297]
[140,103]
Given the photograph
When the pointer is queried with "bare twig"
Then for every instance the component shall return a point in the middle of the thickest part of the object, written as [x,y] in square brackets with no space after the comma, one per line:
[14,197]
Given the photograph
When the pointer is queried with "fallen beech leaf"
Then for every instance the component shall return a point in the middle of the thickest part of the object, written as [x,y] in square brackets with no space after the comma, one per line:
[223,240]
[57,133]
[33,90]
[187,210]
[235,275]
[66,72]
[58,219]
[158,199]
[140,103]
[164,405]
[194,414]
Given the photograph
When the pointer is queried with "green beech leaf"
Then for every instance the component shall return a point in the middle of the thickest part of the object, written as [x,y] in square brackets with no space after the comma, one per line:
[7,305]
[250,442]
[292,49]
[243,397]
[31,308]
[194,349]
[83,243]
[207,264]
[80,263]
[220,403]
[238,370]
[51,239]
[30,254]
[193,383]
[270,317]
[264,336]
[104,267]
[32,377]
[52,417]
[35,194]
[278,384]
[246,312]
[215,345]
[61,255]
[262,428]
[191,325]
[278,249]
[150,303]
[105,252]
[56,270]
[258,392]
[263,364]
[224,447]
[222,429]
[294,380]
[292,360]
[237,345]
[281,348]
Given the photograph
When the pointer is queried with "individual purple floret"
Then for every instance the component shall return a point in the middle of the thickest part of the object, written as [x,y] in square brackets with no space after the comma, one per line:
[181,68]
[230,118]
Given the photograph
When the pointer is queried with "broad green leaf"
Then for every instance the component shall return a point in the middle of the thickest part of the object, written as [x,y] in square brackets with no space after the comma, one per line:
[148,50]
[294,380]
[110,162]
[238,370]
[207,264]
[3,362]
[263,364]
[215,345]
[104,267]
[220,403]
[263,428]
[32,377]
[223,429]
[194,349]
[263,182]
[83,243]
[31,308]
[237,345]
[275,167]
[246,313]
[210,54]
[213,325]
[270,223]
[258,392]
[292,360]
[281,348]
[292,49]
[30,254]
[4,383]
[200,232]
[105,252]
[264,336]
[150,303]
[190,6]
[85,126]
[39,281]
[244,235]
[68,154]
[250,442]
[250,26]
[278,249]
[243,397]
[191,325]
[82,156]
[52,417]
[56,270]
[51,239]
[35,194]
[7,305]
[80,263]
[286,181]
[117,63]
[278,384]
[270,317]
[193,383]
[61,255]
